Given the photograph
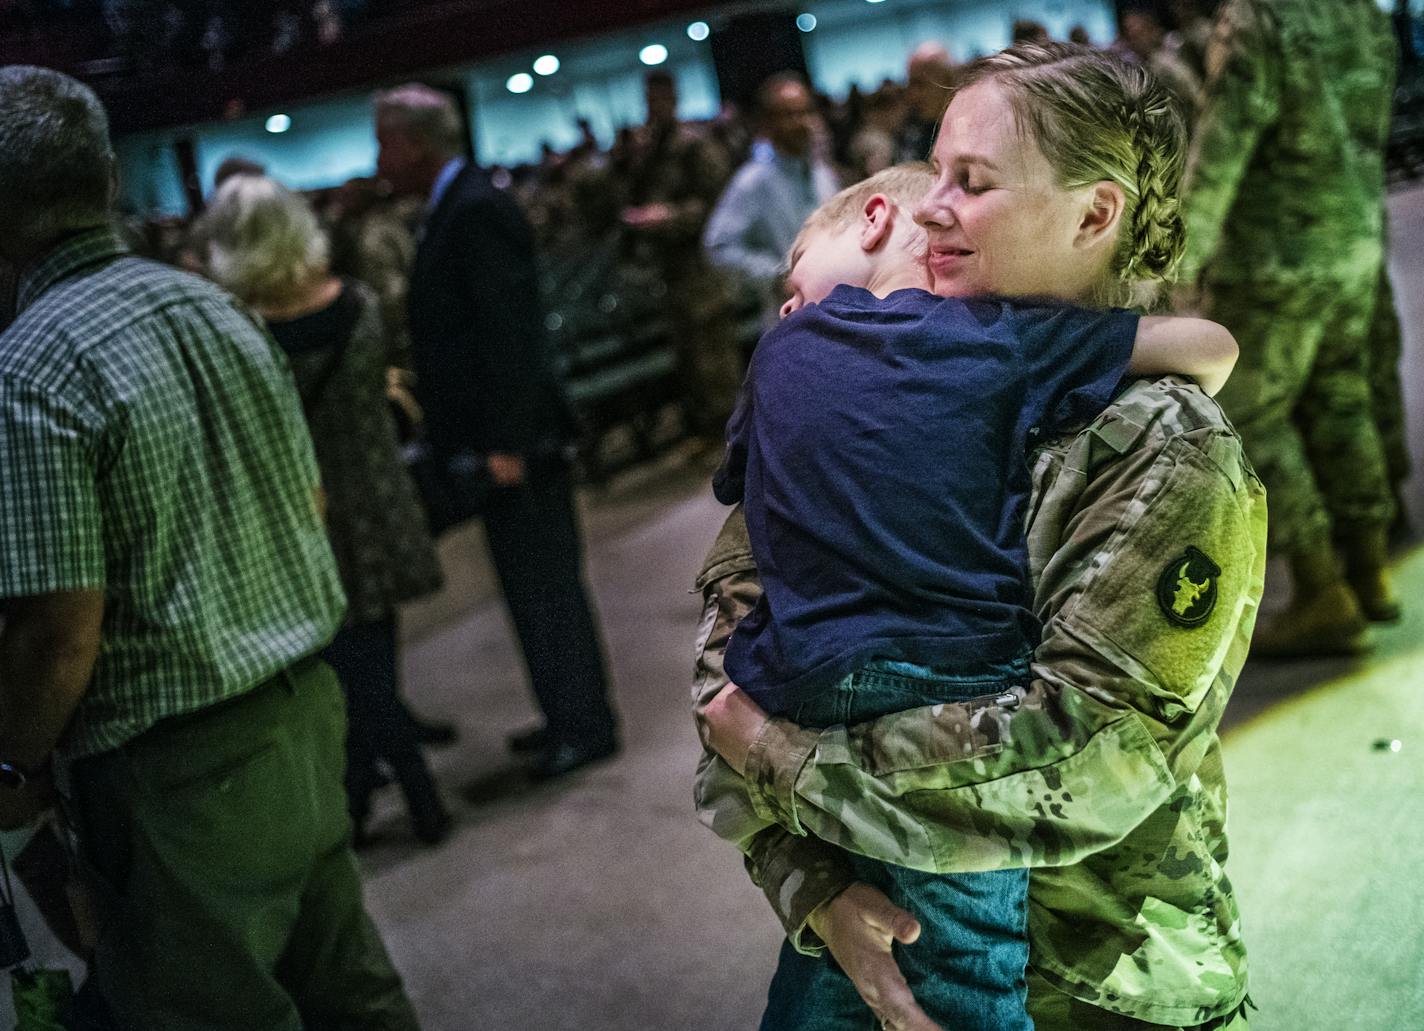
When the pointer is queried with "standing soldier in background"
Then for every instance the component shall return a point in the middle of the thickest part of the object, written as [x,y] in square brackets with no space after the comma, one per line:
[1387,395]
[674,175]
[1181,60]
[373,240]
[1284,211]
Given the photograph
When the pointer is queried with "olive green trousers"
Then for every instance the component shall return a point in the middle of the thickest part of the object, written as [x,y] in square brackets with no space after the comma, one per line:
[228,895]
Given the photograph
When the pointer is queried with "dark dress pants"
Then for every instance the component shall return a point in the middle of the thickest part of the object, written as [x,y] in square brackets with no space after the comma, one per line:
[365,659]
[534,541]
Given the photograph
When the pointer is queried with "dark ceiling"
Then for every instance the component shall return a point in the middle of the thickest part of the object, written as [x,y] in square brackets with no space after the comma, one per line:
[148,87]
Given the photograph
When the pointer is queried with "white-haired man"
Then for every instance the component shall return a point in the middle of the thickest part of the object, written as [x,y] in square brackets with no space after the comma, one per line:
[166,582]
[488,389]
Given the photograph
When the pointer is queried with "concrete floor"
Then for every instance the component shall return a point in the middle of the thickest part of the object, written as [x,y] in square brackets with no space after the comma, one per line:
[599,904]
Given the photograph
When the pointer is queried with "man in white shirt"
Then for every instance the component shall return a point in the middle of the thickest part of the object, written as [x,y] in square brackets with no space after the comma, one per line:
[785,179]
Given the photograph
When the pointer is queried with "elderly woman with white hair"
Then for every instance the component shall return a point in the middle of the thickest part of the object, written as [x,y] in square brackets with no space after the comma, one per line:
[263,243]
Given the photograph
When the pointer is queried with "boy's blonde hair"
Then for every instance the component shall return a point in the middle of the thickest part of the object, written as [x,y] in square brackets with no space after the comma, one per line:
[1096,117]
[904,184]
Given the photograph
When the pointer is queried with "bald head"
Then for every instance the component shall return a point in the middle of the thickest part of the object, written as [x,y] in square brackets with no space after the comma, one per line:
[929,75]
[929,58]
[787,113]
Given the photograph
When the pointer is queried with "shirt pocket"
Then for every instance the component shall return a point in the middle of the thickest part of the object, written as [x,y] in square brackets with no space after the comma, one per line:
[933,736]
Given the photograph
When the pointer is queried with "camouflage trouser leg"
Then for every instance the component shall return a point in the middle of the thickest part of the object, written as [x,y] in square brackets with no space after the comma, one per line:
[1053,1010]
[1384,353]
[706,339]
[1300,397]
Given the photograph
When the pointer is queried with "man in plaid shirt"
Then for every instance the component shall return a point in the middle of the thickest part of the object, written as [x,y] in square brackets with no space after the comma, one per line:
[166,581]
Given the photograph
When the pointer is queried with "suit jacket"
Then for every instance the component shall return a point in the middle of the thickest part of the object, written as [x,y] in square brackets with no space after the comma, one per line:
[477,327]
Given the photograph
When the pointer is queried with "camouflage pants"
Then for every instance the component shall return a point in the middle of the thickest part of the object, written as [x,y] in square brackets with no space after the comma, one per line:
[703,332]
[1300,398]
[1384,351]
[1053,1010]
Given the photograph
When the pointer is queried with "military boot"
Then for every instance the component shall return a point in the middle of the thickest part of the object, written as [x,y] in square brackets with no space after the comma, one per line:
[1323,622]
[1366,551]
[1324,616]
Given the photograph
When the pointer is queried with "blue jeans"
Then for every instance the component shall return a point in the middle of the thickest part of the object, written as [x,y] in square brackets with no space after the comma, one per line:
[967,968]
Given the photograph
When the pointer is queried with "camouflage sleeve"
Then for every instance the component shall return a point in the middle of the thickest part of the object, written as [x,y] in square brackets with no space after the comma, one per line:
[1143,602]
[1240,99]
[798,874]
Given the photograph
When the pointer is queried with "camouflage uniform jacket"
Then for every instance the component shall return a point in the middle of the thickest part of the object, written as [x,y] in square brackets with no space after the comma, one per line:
[1146,542]
[686,170]
[1286,175]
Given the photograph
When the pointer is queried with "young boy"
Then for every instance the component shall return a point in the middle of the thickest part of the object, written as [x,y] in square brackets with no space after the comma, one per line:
[880,450]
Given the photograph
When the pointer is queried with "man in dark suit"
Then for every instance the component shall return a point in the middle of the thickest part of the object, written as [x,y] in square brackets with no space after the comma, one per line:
[488,389]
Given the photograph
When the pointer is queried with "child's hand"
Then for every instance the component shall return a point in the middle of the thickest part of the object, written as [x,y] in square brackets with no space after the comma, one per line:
[733,722]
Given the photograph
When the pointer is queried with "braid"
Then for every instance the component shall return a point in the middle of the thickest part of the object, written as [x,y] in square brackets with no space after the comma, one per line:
[1156,237]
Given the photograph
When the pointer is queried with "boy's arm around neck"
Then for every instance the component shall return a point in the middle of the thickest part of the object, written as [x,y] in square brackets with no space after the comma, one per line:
[1194,347]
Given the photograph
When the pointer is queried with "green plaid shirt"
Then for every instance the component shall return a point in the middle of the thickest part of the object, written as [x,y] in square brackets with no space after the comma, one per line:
[152,445]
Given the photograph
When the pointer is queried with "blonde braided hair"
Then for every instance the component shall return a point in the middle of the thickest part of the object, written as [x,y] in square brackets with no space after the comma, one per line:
[1097,117]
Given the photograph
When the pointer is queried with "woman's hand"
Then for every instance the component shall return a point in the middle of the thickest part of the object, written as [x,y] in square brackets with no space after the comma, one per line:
[733,723]
[859,926]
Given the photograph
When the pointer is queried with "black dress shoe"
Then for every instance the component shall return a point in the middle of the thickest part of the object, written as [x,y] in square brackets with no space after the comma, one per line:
[526,742]
[564,757]
[434,732]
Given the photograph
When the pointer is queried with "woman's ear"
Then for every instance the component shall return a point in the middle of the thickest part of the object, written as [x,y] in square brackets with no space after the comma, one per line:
[1104,204]
[877,219]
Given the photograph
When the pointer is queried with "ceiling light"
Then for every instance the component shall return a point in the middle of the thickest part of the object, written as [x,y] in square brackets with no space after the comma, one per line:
[279,123]
[805,22]
[546,65]
[654,53]
[698,31]
[519,82]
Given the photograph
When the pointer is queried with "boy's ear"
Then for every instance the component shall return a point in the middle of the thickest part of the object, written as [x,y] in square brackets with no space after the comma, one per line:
[1102,211]
[877,219]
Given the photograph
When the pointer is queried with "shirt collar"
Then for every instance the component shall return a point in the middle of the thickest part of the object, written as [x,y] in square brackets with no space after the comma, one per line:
[452,168]
[789,162]
[65,259]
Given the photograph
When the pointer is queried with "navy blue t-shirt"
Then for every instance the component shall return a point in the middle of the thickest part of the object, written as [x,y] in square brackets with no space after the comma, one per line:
[880,448]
